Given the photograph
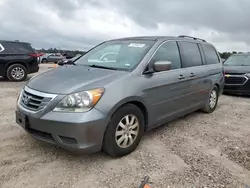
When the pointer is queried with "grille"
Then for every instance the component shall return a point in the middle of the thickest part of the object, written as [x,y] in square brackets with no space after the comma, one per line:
[235,80]
[34,102]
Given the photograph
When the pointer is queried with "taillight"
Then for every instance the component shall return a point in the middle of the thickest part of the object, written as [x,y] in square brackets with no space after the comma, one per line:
[35,55]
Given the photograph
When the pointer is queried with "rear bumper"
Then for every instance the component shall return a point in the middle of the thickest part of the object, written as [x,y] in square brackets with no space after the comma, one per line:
[34,68]
[75,132]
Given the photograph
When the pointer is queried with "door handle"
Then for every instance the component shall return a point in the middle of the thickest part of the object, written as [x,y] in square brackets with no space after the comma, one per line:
[192,75]
[181,77]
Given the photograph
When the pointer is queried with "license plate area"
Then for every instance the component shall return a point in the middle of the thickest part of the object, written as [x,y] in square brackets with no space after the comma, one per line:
[22,120]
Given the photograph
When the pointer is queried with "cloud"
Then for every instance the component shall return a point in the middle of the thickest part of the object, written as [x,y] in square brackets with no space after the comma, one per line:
[78,24]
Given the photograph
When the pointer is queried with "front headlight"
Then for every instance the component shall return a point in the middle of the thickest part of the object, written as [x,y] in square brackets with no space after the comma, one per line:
[80,101]
[248,75]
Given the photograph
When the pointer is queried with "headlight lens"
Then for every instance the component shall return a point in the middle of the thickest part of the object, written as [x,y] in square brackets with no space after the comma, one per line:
[248,75]
[80,101]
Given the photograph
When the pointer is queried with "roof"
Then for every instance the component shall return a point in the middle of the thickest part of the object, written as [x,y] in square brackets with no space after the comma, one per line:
[182,37]
[9,41]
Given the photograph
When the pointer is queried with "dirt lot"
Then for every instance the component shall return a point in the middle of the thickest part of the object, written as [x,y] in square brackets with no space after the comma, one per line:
[198,150]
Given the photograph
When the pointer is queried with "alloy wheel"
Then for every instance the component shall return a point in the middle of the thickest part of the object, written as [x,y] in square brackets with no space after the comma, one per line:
[17,73]
[127,131]
[213,99]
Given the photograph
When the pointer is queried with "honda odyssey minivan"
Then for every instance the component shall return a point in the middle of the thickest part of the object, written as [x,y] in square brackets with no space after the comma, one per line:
[108,105]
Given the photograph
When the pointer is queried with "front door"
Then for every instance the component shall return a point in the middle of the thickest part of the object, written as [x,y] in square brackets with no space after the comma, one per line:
[167,92]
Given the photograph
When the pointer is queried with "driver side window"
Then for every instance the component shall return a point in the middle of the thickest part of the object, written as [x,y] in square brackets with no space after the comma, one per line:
[168,52]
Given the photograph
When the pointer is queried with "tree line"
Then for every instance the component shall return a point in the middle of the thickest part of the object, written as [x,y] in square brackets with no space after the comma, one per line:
[55,50]
[226,55]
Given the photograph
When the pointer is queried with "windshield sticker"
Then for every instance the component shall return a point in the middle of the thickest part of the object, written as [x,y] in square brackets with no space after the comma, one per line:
[127,65]
[136,45]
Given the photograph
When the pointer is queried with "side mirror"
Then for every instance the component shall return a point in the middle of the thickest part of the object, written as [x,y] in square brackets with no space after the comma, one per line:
[162,66]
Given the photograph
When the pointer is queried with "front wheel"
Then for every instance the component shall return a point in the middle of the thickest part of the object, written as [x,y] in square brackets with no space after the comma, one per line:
[211,103]
[124,131]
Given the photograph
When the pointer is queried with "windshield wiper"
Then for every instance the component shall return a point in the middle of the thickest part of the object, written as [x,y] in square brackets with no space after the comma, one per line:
[102,67]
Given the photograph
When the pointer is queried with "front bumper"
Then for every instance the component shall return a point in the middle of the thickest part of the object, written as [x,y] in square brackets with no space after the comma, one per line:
[236,90]
[76,132]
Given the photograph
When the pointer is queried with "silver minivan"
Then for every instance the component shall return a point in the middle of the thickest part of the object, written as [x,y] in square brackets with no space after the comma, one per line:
[108,105]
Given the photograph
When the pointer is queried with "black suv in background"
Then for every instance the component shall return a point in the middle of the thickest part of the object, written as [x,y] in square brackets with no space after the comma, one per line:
[237,74]
[17,60]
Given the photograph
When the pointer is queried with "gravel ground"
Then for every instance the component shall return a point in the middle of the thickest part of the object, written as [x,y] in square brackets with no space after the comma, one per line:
[198,150]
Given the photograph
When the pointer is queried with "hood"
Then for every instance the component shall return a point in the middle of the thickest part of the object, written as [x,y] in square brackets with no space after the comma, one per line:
[237,69]
[69,79]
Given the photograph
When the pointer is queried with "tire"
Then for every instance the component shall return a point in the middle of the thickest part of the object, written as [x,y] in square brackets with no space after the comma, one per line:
[21,72]
[44,61]
[213,96]
[110,142]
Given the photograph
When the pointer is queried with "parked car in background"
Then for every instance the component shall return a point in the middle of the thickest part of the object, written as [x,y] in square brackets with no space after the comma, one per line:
[54,57]
[92,105]
[68,56]
[237,74]
[17,60]
[68,61]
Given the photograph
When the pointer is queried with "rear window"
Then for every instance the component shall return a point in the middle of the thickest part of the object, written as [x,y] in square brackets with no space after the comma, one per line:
[210,55]
[15,48]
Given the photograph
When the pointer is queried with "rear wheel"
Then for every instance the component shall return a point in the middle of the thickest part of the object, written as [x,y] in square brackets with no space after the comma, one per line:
[16,72]
[124,131]
[211,103]
[44,60]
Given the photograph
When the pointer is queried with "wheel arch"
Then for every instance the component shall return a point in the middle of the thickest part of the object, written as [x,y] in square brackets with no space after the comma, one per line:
[219,87]
[137,101]
[17,62]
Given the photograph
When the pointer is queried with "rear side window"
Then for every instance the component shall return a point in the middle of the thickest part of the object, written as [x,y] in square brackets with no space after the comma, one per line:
[210,54]
[190,53]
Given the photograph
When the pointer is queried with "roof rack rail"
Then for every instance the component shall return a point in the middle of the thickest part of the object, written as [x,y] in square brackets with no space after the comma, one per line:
[195,38]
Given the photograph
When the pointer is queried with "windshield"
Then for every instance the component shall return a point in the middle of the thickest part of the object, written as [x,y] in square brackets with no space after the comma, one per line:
[117,55]
[242,60]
